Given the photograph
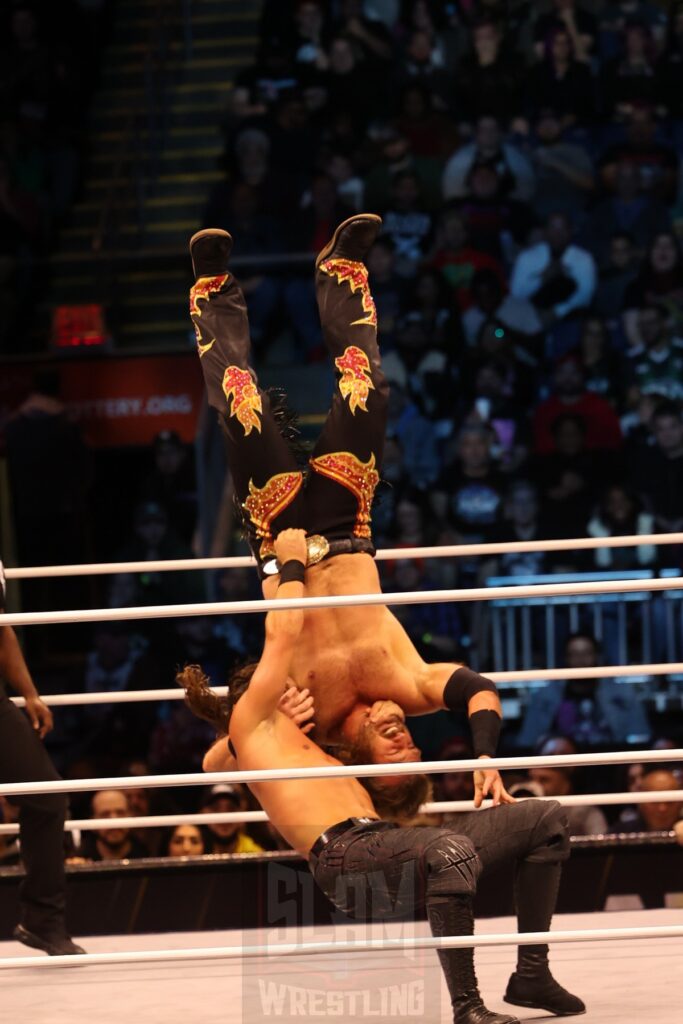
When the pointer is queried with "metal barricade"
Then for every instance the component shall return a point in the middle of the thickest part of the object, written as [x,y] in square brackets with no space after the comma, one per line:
[530,631]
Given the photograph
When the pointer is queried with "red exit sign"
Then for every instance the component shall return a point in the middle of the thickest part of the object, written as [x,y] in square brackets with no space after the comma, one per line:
[78,326]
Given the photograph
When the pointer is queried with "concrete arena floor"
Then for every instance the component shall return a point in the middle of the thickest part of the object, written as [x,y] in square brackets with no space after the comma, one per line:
[629,982]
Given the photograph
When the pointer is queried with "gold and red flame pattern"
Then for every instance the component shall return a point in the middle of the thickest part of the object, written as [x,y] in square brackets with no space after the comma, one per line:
[357,276]
[355,382]
[239,387]
[203,288]
[263,504]
[361,478]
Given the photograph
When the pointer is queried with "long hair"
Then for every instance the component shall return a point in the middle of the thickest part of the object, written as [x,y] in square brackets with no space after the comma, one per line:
[204,703]
[394,801]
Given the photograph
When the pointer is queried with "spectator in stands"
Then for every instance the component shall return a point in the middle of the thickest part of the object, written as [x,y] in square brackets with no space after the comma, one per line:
[564,169]
[583,821]
[416,436]
[420,362]
[655,817]
[351,85]
[467,497]
[626,209]
[367,32]
[568,16]
[601,364]
[493,403]
[621,514]
[658,477]
[514,171]
[491,305]
[258,87]
[616,274]
[184,841]
[569,477]
[520,522]
[489,80]
[591,712]
[172,483]
[562,79]
[656,365]
[387,289]
[153,539]
[657,162]
[557,276]
[111,843]
[660,279]
[570,395]
[340,168]
[430,133]
[423,62]
[616,15]
[230,837]
[454,785]
[495,224]
[459,261]
[435,631]
[407,224]
[630,77]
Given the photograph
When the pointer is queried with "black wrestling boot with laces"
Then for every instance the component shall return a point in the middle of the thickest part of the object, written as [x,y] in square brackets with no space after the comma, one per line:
[452,915]
[532,985]
[352,239]
[210,251]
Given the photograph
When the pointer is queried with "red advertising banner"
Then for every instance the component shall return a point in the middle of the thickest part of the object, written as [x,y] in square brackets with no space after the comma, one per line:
[117,401]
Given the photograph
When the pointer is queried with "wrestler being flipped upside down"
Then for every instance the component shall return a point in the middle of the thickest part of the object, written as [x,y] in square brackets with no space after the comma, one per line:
[358,663]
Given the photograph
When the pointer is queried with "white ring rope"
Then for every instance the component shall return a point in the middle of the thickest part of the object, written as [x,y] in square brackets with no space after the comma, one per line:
[341,771]
[544,675]
[538,591]
[438,807]
[383,555]
[671,931]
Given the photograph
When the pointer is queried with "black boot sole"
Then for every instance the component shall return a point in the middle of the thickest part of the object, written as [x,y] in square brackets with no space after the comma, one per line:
[209,233]
[28,938]
[329,248]
[527,1004]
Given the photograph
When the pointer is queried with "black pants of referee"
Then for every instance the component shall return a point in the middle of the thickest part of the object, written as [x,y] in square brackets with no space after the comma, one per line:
[23,758]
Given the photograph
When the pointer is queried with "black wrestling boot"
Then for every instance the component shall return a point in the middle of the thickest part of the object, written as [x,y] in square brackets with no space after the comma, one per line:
[352,239]
[452,915]
[57,944]
[210,251]
[532,984]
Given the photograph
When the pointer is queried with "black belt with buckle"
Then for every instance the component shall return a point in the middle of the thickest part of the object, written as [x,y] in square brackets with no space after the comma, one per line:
[319,548]
[335,831]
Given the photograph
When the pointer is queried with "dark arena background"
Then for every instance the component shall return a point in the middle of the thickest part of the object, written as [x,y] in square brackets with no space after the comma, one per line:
[526,284]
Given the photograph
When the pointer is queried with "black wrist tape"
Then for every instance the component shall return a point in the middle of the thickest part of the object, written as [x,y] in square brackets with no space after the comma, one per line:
[485,727]
[293,570]
[462,686]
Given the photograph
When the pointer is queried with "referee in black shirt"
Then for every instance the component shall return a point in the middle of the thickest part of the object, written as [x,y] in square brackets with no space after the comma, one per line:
[23,758]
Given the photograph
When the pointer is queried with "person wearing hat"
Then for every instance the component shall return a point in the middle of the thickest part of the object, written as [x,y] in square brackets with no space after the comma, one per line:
[229,837]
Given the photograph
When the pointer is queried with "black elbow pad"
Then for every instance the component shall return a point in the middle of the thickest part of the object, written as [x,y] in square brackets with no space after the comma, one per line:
[462,686]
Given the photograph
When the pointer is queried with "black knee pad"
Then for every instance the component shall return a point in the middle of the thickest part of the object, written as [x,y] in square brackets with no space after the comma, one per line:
[452,865]
[550,832]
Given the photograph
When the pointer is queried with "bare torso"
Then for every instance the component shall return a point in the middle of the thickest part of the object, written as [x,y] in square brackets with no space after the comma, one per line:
[300,810]
[351,657]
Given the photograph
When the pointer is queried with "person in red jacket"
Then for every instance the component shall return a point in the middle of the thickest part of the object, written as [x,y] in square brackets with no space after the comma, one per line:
[571,396]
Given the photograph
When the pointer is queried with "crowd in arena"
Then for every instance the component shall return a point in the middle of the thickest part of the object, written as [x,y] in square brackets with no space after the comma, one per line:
[526,162]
